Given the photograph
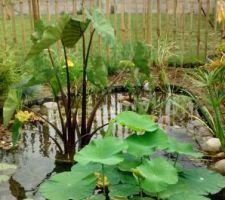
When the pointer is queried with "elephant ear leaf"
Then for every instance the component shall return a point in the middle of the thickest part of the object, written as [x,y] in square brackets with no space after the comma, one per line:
[102,26]
[50,35]
[11,104]
[73,31]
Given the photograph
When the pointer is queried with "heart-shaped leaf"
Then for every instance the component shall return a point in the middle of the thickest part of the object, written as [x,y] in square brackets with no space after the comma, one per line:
[136,121]
[155,175]
[12,103]
[106,151]
[102,26]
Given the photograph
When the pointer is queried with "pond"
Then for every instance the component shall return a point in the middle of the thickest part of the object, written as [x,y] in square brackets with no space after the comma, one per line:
[35,154]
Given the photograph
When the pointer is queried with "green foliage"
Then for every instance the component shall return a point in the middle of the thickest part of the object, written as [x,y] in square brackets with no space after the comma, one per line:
[213,82]
[97,73]
[156,175]
[136,122]
[102,26]
[105,151]
[122,176]
[12,103]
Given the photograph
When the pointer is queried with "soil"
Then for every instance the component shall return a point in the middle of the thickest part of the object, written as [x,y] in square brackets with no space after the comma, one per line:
[5,138]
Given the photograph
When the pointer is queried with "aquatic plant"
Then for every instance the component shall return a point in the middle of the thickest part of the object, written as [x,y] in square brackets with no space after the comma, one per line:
[131,168]
[66,82]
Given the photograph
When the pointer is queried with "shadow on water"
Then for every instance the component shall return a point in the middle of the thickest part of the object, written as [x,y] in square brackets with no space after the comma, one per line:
[35,154]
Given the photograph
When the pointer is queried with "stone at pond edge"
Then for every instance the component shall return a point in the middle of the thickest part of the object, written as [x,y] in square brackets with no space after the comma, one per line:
[212,145]
[219,166]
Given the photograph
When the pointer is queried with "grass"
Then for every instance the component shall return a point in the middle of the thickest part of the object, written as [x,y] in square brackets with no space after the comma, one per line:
[184,41]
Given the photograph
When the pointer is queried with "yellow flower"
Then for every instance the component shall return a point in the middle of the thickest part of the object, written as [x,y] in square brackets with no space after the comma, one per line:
[70,63]
[100,183]
[23,116]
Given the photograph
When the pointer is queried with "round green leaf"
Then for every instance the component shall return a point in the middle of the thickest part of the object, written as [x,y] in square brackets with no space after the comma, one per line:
[124,190]
[140,145]
[155,175]
[196,181]
[68,185]
[136,121]
[106,151]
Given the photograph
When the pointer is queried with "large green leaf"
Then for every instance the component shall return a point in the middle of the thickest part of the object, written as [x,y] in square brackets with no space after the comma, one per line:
[136,121]
[182,148]
[140,145]
[12,103]
[50,35]
[155,175]
[124,190]
[129,162]
[68,185]
[196,181]
[97,74]
[105,151]
[102,26]
[73,31]
[188,196]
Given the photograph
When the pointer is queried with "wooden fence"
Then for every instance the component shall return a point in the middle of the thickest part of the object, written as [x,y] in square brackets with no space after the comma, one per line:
[189,27]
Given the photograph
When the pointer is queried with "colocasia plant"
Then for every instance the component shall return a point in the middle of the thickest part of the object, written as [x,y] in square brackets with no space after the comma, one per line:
[131,168]
[67,82]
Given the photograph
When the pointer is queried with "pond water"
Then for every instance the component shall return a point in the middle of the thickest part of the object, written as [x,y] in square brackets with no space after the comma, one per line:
[35,155]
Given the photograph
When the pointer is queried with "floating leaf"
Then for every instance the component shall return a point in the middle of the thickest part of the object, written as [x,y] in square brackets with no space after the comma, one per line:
[105,151]
[140,145]
[188,196]
[155,175]
[136,121]
[196,181]
[75,187]
[97,197]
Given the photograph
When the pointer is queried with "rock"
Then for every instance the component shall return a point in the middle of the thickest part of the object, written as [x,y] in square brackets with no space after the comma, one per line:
[204,131]
[219,166]
[212,145]
[196,123]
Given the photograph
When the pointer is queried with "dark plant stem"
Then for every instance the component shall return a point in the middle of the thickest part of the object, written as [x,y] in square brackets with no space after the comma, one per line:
[97,104]
[84,88]
[70,134]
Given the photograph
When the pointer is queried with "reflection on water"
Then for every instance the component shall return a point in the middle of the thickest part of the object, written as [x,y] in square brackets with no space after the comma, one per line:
[35,155]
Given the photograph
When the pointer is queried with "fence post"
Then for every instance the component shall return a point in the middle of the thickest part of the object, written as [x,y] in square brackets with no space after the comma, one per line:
[35,7]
